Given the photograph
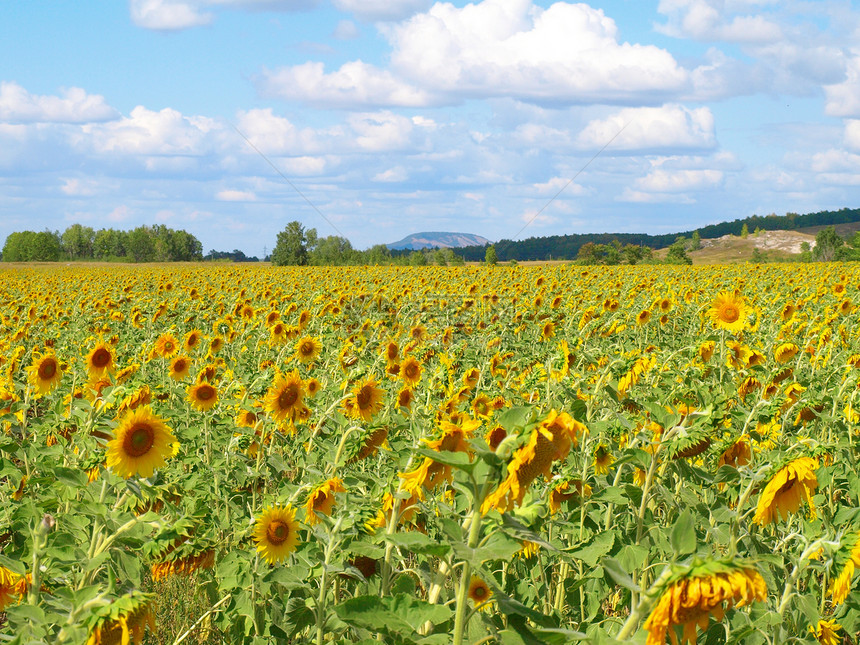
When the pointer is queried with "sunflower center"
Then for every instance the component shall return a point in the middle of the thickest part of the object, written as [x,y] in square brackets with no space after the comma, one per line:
[411,370]
[479,593]
[730,313]
[101,357]
[277,532]
[168,346]
[364,397]
[205,393]
[288,398]
[139,440]
[47,369]
[307,349]
[179,366]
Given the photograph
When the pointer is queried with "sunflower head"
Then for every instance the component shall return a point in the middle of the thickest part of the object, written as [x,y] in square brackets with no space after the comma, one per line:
[202,396]
[366,400]
[479,592]
[728,311]
[141,443]
[276,533]
[100,360]
[45,373]
[307,349]
[283,401]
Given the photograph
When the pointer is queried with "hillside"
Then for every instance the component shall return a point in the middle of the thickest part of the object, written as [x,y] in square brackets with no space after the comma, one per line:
[728,249]
[438,240]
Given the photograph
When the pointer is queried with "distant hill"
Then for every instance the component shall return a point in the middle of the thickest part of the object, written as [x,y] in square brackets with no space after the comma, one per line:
[438,240]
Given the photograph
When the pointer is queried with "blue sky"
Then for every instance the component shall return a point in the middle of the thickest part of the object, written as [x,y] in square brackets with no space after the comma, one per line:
[399,116]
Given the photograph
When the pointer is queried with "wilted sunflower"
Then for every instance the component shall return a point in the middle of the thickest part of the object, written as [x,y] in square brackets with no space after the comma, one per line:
[123,621]
[141,443]
[276,533]
[100,361]
[793,484]
[689,600]
[45,373]
[307,349]
[180,368]
[283,400]
[321,500]
[366,400]
[728,311]
[785,352]
[202,396]
[826,632]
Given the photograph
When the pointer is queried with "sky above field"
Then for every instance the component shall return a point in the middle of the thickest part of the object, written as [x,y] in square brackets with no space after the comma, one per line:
[397,116]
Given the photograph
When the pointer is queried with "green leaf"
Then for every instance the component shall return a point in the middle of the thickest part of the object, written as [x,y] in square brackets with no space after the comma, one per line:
[418,543]
[615,571]
[596,549]
[460,460]
[683,536]
[726,474]
[611,494]
[72,477]
[403,614]
[516,417]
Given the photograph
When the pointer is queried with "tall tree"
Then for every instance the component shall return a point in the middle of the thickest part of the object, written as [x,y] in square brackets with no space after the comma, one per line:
[291,248]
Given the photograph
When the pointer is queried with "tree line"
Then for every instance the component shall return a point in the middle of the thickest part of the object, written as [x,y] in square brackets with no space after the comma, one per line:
[156,243]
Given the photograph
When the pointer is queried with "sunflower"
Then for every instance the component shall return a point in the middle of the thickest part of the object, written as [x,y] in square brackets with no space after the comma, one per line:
[471,377]
[283,400]
[202,396]
[479,592]
[192,340]
[392,352]
[166,346]
[100,361]
[643,317]
[45,373]
[787,489]
[841,584]
[123,621]
[495,436]
[313,386]
[184,565]
[180,367]
[706,350]
[826,632]
[321,500]
[10,588]
[141,443]
[785,352]
[405,397]
[366,400]
[689,599]
[276,533]
[215,344]
[728,311]
[410,372]
[602,459]
[307,349]
[547,331]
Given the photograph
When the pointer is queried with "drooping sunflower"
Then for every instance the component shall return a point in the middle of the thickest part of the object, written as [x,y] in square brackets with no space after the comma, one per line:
[10,588]
[307,349]
[321,500]
[180,368]
[45,373]
[728,311]
[392,352]
[276,533]
[366,400]
[141,443]
[689,599]
[283,401]
[849,559]
[826,631]
[123,621]
[785,352]
[166,346]
[603,459]
[792,484]
[202,396]
[100,361]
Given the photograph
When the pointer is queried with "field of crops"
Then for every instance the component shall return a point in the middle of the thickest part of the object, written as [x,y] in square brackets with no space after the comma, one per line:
[219,454]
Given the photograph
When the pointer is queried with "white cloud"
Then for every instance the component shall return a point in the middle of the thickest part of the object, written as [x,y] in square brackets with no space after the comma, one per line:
[638,196]
[235,196]
[566,53]
[146,132]
[119,214]
[392,175]
[345,30]
[679,181]
[843,99]
[711,20]
[354,83]
[79,188]
[669,126]
[273,134]
[382,9]
[167,15]
[379,131]
[852,134]
[556,184]
[17,105]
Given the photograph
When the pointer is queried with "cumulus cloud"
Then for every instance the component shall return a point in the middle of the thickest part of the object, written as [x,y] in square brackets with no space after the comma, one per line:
[235,196]
[354,83]
[666,127]
[74,105]
[146,132]
[711,20]
[378,131]
[566,53]
[679,181]
[392,175]
[272,134]
[843,99]
[382,9]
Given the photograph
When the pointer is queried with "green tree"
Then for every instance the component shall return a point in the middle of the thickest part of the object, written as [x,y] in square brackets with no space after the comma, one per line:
[378,254]
[677,254]
[696,241]
[827,245]
[291,248]
[490,257]
[140,244]
[745,231]
[417,259]
[78,242]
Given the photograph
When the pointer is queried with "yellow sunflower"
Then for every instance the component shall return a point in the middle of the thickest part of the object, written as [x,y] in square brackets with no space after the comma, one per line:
[849,556]
[192,340]
[10,588]
[410,372]
[180,367]
[141,443]
[788,488]
[826,632]
[728,311]
[276,533]
[307,349]
[283,400]
[45,373]
[479,592]
[123,621]
[366,400]
[603,459]
[202,396]
[321,500]
[785,352]
[166,346]
[100,361]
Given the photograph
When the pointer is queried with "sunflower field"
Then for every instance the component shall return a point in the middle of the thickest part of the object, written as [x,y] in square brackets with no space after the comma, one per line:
[553,454]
